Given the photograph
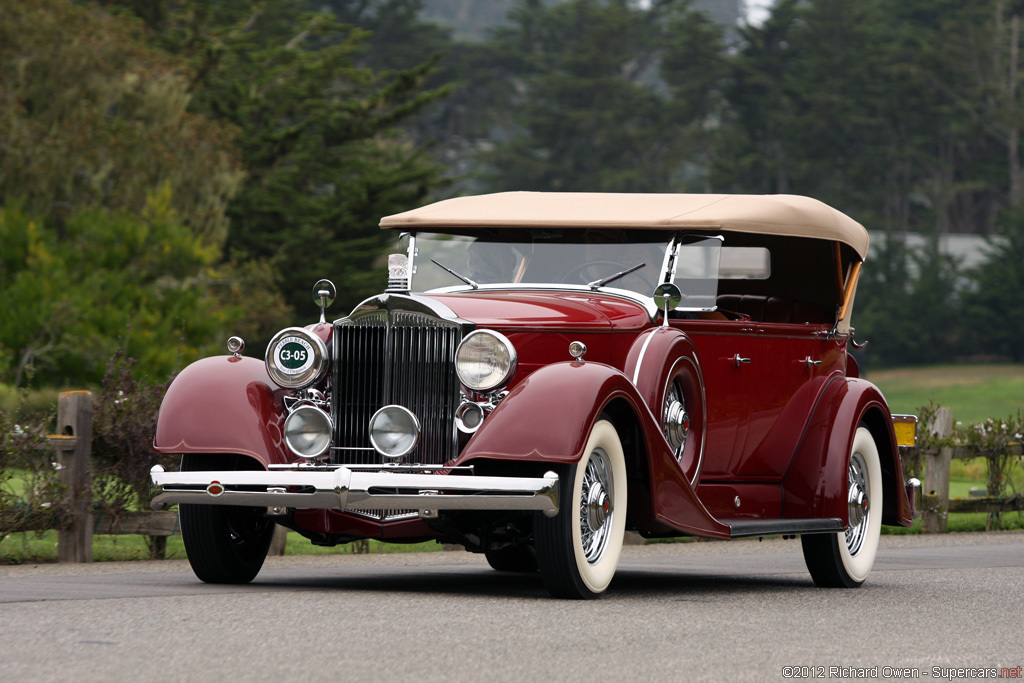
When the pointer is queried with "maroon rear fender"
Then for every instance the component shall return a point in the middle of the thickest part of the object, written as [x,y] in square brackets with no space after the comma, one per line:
[658,356]
[815,484]
[223,404]
[548,416]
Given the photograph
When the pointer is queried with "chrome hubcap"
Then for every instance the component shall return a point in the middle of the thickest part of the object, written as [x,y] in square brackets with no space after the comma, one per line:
[596,507]
[859,503]
[675,419]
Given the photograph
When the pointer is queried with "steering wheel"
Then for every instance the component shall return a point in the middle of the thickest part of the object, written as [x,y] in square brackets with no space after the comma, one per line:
[579,271]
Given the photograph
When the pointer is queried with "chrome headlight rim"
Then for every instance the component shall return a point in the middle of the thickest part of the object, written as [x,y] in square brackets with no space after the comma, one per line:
[506,369]
[287,371]
[396,414]
[308,411]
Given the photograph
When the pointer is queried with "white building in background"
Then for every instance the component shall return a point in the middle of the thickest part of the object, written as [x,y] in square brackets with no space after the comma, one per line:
[970,251]
[472,19]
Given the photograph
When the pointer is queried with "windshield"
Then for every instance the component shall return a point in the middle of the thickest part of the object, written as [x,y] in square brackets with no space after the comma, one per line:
[552,257]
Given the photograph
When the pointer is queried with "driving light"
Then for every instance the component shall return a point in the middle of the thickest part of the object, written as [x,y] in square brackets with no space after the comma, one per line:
[485,360]
[236,345]
[469,417]
[394,431]
[296,358]
[307,431]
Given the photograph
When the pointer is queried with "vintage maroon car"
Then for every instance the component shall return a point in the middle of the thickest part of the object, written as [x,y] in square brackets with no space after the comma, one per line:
[546,371]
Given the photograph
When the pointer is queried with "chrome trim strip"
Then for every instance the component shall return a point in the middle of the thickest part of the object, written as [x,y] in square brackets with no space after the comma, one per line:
[409,302]
[646,301]
[643,350]
[345,489]
[383,467]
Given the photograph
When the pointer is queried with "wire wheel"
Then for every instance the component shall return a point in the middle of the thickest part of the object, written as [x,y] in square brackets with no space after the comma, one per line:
[596,511]
[844,560]
[859,496]
[578,549]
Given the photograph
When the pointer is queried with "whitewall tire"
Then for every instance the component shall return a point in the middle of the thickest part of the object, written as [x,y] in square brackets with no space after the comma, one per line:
[844,560]
[578,550]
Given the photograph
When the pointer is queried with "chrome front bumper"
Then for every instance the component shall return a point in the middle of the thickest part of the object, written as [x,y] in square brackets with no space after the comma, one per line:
[354,488]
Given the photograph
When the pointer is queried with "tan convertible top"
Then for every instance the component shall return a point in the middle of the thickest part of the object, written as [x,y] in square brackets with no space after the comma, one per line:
[768,214]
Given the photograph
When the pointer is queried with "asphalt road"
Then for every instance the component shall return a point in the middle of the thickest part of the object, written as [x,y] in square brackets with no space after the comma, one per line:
[700,611]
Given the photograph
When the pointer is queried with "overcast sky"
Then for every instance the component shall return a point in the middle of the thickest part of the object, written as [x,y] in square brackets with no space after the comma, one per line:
[757,11]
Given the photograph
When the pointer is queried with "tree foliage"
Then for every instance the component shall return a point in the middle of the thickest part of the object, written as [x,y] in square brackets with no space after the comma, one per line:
[906,115]
[319,133]
[599,96]
[70,294]
[259,143]
[91,115]
[171,167]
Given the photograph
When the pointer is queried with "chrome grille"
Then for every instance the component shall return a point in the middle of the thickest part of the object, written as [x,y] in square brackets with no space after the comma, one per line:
[401,358]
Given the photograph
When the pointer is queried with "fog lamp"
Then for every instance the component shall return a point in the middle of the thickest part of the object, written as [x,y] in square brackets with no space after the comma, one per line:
[469,417]
[394,431]
[307,431]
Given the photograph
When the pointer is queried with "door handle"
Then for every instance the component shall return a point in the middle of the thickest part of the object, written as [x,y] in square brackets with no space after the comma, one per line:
[739,359]
[810,362]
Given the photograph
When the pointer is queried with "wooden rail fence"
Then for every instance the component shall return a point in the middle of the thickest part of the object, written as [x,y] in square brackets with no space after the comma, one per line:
[937,504]
[73,445]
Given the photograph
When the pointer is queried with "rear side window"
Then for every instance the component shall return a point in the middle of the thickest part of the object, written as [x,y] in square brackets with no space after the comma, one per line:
[745,263]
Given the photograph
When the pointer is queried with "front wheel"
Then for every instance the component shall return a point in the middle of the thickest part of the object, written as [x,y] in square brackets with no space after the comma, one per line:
[224,544]
[578,549]
[844,560]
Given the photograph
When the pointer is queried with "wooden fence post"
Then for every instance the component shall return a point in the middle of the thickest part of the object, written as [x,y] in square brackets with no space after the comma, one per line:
[935,519]
[74,419]
[277,544]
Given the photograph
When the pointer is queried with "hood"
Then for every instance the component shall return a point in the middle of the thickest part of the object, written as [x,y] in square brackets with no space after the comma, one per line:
[545,310]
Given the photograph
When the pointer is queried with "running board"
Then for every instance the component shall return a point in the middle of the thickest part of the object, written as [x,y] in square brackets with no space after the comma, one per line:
[744,528]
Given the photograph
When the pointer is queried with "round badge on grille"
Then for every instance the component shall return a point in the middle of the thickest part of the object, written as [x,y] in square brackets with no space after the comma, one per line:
[294,355]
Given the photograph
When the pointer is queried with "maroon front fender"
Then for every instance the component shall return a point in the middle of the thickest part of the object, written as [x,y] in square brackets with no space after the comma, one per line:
[548,416]
[815,484]
[223,404]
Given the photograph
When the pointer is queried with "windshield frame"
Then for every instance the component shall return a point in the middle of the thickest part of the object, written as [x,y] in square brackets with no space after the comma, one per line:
[666,272]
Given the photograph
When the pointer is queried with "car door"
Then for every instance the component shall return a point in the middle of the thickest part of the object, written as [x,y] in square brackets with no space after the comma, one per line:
[789,364]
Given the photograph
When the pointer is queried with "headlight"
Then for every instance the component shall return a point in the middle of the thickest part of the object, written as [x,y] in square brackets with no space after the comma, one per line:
[307,431]
[296,358]
[485,360]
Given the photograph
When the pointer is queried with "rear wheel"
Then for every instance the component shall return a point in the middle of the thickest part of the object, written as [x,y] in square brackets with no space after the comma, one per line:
[225,544]
[844,560]
[578,549]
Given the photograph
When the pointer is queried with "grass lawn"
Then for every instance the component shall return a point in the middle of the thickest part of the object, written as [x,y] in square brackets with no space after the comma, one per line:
[25,548]
[974,392]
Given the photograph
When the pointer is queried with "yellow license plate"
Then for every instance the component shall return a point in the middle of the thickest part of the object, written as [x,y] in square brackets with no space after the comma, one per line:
[906,429]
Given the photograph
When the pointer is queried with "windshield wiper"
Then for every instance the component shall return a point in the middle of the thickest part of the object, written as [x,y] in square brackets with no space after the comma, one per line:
[461,277]
[603,281]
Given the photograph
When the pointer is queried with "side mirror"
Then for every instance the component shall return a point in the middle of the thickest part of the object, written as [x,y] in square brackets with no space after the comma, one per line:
[324,293]
[667,295]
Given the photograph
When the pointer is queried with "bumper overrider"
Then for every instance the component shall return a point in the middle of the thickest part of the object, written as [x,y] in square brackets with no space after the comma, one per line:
[357,488]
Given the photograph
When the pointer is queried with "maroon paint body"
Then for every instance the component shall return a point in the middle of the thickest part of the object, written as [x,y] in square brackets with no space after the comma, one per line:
[774,432]
[223,404]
